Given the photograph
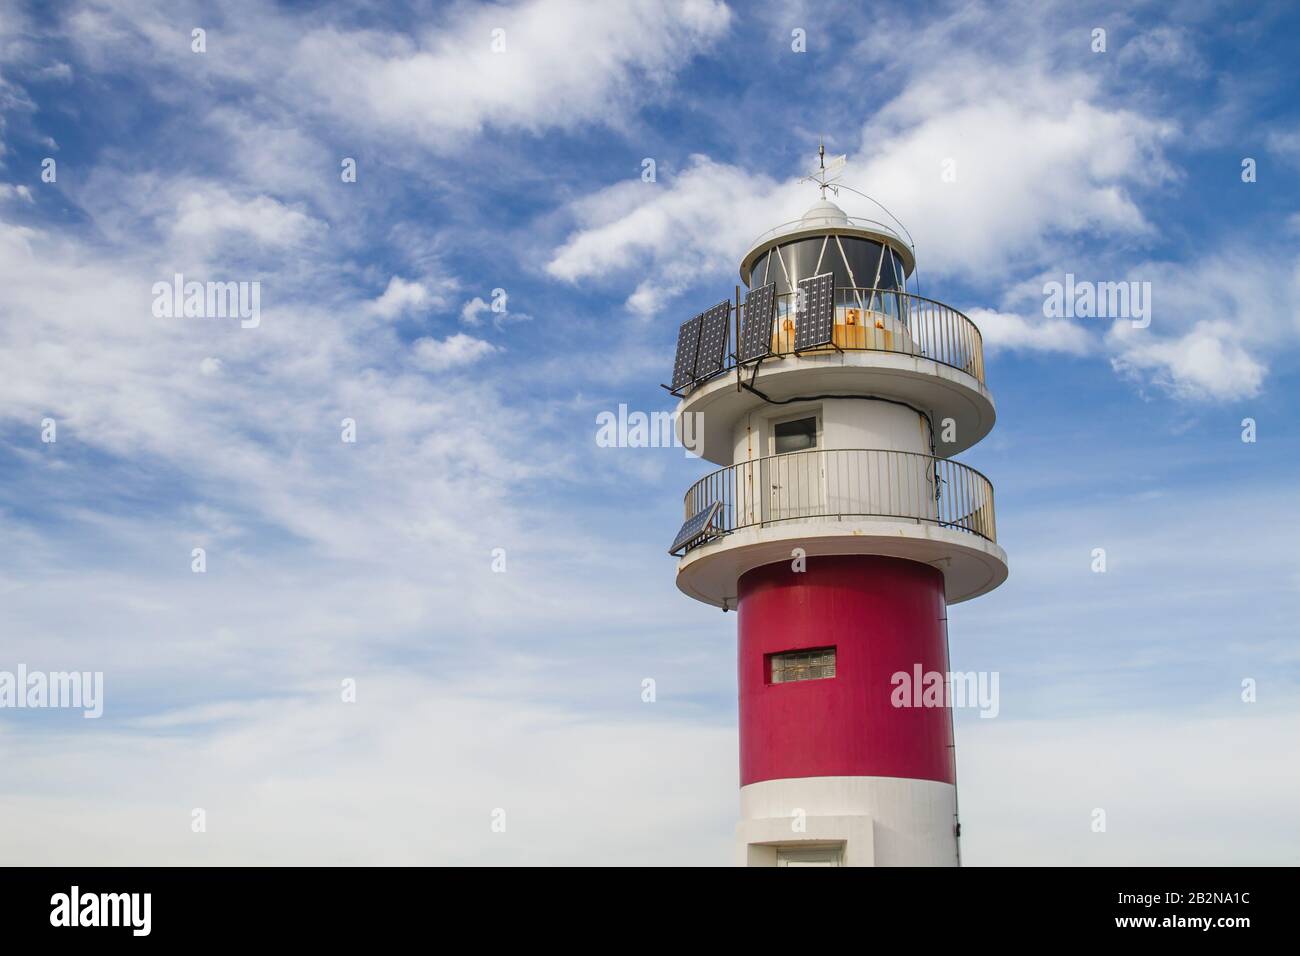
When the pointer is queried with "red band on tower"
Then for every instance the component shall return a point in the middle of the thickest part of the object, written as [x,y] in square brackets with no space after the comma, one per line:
[883,616]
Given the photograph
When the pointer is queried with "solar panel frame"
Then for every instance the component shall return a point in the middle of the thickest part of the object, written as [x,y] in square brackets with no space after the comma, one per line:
[756,330]
[694,528]
[815,324]
[688,344]
[715,335]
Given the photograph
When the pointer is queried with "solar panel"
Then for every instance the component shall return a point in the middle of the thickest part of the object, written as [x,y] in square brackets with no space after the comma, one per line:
[697,527]
[714,335]
[816,312]
[756,330]
[688,343]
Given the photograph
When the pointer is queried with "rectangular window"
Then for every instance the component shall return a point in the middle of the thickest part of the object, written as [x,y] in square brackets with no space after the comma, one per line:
[798,435]
[812,856]
[790,666]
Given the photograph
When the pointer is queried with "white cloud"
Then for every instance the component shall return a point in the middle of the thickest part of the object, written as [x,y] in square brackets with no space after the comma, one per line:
[401,297]
[1207,362]
[687,226]
[1044,161]
[1024,147]
[649,297]
[435,355]
[1014,333]
[1029,789]
[55,72]
[1028,176]
[261,770]
[197,221]
[272,154]
[212,214]
[563,64]
[1216,322]
[133,387]
[1169,49]
[471,310]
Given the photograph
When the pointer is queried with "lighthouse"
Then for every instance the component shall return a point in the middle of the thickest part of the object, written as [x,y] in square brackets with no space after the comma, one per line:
[839,527]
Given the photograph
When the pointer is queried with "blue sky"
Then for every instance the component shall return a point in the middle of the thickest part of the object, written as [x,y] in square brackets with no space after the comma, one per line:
[521,170]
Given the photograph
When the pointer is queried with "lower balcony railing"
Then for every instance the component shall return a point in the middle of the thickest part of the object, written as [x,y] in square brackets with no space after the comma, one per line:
[839,484]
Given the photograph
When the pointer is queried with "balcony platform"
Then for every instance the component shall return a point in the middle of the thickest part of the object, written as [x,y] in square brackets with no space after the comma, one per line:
[939,390]
[971,565]
[842,501]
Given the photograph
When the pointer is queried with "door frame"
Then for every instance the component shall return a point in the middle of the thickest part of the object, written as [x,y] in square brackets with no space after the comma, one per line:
[772,510]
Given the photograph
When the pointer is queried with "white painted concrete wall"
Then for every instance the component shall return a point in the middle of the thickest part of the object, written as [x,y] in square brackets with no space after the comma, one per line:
[856,423]
[844,423]
[898,486]
[882,821]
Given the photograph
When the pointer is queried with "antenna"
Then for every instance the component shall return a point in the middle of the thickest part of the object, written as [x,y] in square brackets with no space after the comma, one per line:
[824,176]
[828,177]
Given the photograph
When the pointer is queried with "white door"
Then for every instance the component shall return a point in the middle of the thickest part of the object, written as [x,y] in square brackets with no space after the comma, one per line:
[793,476]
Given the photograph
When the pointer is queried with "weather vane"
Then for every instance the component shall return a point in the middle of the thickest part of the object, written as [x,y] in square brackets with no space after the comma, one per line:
[824,176]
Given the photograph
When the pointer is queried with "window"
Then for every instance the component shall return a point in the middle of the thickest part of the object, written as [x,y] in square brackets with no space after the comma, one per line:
[813,856]
[791,666]
[861,261]
[799,435]
[801,258]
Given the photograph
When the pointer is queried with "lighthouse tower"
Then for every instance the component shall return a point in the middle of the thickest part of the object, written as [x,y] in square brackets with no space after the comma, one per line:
[839,528]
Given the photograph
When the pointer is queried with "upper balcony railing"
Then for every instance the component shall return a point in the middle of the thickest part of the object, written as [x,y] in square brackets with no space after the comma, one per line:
[839,484]
[885,320]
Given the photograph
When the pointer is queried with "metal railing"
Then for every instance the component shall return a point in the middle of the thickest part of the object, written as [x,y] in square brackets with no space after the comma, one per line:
[885,320]
[847,483]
